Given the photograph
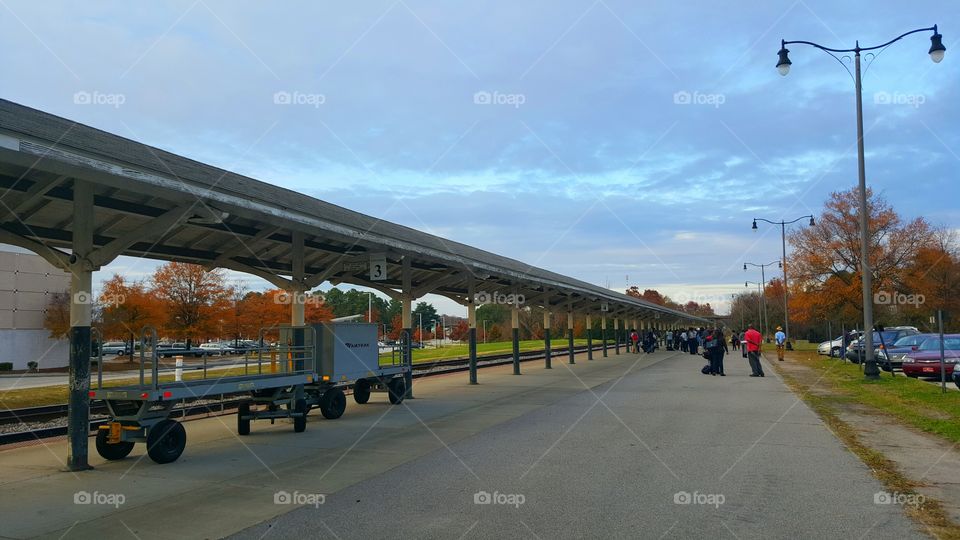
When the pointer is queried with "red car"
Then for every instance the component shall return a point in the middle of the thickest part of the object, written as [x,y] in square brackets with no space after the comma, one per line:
[925,362]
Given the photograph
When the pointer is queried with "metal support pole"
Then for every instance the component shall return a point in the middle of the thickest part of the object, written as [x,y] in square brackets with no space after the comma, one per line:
[81,289]
[515,329]
[570,336]
[943,369]
[406,318]
[603,333]
[786,291]
[546,339]
[472,333]
[616,335]
[870,368]
[589,337]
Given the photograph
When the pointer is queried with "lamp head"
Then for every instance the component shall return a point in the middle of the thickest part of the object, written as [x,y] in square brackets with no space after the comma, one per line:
[936,47]
[783,64]
[812,222]
[754,225]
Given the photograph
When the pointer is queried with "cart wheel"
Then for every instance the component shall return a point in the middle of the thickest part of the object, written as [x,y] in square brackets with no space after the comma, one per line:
[361,391]
[243,425]
[396,389]
[333,403]
[112,451]
[300,422]
[166,441]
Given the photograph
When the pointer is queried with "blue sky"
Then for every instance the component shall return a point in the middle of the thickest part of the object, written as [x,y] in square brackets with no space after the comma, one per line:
[600,139]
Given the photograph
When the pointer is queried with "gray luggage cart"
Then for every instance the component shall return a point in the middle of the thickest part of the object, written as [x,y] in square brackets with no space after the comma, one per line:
[348,359]
[141,412]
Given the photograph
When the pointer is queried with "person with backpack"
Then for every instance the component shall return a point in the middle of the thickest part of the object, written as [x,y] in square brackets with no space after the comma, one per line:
[754,341]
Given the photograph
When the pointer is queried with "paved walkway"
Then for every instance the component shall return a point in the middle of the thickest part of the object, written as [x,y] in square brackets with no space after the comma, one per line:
[610,448]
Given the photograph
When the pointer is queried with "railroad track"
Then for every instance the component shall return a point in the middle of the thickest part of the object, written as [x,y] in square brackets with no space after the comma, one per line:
[225,406]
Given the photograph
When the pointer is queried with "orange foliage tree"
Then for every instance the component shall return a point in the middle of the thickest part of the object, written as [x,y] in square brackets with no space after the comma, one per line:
[825,268]
[127,307]
[194,300]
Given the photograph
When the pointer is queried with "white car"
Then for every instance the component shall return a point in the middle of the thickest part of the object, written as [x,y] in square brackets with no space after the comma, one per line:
[832,348]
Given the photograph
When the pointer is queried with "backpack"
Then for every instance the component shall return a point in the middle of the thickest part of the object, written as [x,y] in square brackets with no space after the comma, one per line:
[705,369]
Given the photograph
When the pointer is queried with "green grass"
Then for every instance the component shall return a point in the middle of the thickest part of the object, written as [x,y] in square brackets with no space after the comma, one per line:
[914,402]
[804,345]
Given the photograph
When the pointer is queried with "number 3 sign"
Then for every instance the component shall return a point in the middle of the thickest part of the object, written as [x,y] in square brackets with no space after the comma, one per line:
[378,267]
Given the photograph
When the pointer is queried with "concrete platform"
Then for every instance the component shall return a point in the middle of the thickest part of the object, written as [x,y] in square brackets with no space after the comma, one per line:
[609,448]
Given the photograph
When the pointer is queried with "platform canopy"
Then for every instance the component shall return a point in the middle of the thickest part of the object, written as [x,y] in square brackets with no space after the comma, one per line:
[150,203]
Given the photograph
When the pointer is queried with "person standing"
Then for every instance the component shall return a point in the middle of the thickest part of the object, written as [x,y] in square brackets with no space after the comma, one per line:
[753,341]
[694,341]
[717,351]
[683,341]
[669,340]
[735,341]
[781,342]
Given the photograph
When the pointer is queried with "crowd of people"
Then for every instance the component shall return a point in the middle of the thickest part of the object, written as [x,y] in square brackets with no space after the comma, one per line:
[711,343]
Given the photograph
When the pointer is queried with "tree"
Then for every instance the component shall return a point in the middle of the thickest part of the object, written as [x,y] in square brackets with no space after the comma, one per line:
[56,316]
[195,300]
[460,330]
[127,308]
[825,270]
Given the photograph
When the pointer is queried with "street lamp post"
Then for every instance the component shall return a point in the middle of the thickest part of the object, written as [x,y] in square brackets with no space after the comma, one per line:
[484,330]
[936,52]
[763,291]
[420,326]
[369,306]
[761,305]
[783,264]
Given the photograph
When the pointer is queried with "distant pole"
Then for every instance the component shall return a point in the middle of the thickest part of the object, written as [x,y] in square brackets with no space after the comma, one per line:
[943,369]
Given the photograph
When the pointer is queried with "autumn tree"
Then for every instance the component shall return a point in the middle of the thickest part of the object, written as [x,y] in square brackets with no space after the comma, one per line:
[127,307]
[194,300]
[56,316]
[825,270]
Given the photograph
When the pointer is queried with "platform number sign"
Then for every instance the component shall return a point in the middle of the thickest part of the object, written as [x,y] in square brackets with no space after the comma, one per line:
[604,306]
[378,267]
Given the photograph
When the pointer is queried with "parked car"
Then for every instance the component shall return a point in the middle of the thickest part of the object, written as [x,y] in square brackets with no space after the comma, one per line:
[118,348]
[891,357]
[889,335]
[218,349]
[925,362]
[834,346]
[170,350]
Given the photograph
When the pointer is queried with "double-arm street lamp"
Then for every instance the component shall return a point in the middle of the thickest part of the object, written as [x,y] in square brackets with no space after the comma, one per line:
[783,263]
[763,290]
[871,370]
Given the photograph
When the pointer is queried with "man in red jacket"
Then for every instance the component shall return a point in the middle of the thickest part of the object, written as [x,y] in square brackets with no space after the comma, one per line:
[753,341]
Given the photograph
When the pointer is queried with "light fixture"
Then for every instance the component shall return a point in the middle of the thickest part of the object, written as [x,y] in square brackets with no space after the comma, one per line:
[783,65]
[936,47]
[754,225]
[812,222]
[779,264]
[744,266]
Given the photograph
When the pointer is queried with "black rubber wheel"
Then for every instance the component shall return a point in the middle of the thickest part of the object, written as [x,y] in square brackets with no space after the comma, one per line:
[333,403]
[113,451]
[243,425]
[300,421]
[396,389]
[361,391]
[166,441]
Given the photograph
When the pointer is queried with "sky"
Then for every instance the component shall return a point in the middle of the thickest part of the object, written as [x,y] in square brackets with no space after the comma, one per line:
[618,142]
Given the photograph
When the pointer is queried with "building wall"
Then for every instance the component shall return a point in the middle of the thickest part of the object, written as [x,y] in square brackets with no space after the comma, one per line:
[26,283]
